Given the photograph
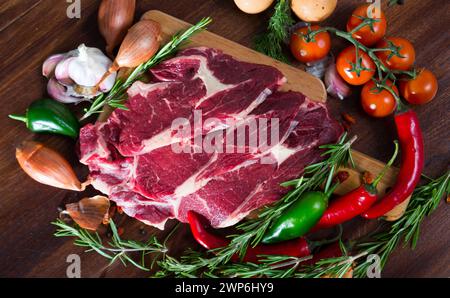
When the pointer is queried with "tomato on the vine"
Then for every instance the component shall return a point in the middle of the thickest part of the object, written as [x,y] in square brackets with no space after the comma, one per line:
[421,89]
[345,66]
[378,102]
[313,50]
[366,35]
[392,61]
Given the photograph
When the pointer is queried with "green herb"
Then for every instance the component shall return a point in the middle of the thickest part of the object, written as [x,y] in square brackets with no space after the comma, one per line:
[117,249]
[270,43]
[115,97]
[252,231]
[424,201]
[314,176]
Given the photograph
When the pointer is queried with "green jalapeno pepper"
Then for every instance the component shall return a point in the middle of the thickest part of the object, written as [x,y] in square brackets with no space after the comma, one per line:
[47,115]
[298,219]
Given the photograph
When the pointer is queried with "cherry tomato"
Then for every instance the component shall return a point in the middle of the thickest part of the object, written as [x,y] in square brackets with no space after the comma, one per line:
[345,63]
[313,50]
[378,102]
[421,89]
[366,35]
[407,53]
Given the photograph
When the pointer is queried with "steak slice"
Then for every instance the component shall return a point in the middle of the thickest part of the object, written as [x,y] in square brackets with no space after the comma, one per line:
[183,84]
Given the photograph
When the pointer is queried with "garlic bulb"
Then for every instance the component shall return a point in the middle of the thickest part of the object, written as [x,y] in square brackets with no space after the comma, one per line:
[74,75]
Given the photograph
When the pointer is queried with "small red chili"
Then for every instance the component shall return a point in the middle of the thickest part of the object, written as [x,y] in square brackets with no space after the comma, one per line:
[411,144]
[353,203]
[347,206]
[299,247]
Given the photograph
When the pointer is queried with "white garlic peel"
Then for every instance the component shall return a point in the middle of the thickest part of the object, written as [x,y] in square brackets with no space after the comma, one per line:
[79,69]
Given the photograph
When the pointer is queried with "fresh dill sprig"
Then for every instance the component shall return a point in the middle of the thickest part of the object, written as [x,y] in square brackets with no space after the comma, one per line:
[115,97]
[117,249]
[270,42]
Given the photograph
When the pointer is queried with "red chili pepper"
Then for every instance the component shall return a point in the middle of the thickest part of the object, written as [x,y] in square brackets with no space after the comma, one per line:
[331,251]
[411,144]
[199,226]
[348,206]
[353,203]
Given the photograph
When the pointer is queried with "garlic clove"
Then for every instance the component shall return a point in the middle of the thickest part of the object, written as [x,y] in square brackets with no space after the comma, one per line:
[318,68]
[334,84]
[62,71]
[47,166]
[61,93]
[107,83]
[89,213]
[49,65]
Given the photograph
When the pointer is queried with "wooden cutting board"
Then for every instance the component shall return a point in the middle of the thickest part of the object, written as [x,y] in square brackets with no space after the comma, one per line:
[297,80]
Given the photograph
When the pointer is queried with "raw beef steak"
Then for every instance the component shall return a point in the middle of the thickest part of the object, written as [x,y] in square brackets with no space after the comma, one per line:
[132,159]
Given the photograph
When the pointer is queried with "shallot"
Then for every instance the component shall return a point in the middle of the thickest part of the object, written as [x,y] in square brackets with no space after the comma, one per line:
[114,19]
[47,166]
[89,213]
[139,45]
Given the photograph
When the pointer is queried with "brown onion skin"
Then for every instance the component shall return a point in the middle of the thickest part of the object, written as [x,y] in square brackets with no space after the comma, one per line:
[47,166]
[115,17]
[139,45]
[89,213]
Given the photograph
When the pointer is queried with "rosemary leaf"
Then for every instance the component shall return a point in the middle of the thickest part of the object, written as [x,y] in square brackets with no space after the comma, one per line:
[252,231]
[424,201]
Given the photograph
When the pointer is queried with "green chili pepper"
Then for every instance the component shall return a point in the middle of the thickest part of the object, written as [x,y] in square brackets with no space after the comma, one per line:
[47,115]
[298,219]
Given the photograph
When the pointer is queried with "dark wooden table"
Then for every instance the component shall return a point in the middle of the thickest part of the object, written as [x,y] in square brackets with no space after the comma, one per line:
[31,30]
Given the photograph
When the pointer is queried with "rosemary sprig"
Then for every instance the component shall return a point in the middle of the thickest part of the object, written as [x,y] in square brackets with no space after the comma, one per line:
[115,97]
[270,43]
[253,230]
[117,249]
[314,176]
[274,266]
[424,201]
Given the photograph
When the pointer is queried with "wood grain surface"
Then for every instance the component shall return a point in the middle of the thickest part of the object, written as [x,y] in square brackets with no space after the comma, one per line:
[32,30]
